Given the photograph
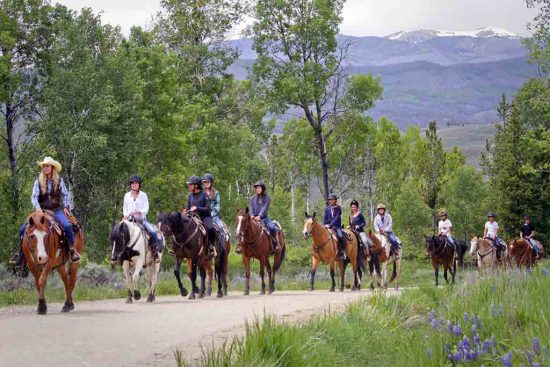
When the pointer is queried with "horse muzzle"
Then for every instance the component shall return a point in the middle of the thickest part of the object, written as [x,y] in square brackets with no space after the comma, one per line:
[42,259]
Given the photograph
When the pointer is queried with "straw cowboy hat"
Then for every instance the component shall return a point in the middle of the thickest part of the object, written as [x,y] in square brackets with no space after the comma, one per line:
[50,162]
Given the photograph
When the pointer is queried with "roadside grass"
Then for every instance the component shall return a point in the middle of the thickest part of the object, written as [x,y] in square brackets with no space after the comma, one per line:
[99,282]
[491,321]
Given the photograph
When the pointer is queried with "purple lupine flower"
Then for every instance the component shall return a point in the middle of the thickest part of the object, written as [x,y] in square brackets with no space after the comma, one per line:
[441,321]
[536,365]
[500,310]
[477,340]
[507,360]
[466,318]
[450,326]
[431,315]
[473,333]
[486,346]
[530,358]
[449,357]
[536,346]
[457,330]
[473,319]
[434,324]
[545,272]
[429,353]
[492,310]
[466,342]
[447,347]
[479,322]
[457,357]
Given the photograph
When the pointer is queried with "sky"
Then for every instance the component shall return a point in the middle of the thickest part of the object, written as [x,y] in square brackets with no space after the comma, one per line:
[361,17]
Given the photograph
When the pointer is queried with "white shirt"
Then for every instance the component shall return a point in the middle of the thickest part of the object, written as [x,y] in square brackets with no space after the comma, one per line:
[383,222]
[141,203]
[491,229]
[445,227]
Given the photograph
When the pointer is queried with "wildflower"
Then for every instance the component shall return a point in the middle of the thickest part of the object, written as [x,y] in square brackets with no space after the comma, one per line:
[536,346]
[500,310]
[507,360]
[466,343]
[441,321]
[457,330]
[492,310]
[466,318]
[457,357]
[434,324]
[477,340]
[450,326]
[486,346]
[449,357]
[447,348]
[473,333]
[530,358]
[431,316]
[429,353]
[473,319]
[545,272]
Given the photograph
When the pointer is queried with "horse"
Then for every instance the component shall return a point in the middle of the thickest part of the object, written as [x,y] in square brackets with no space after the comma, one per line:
[226,251]
[523,253]
[486,253]
[255,241]
[130,250]
[441,252]
[44,252]
[190,240]
[461,248]
[324,249]
[380,258]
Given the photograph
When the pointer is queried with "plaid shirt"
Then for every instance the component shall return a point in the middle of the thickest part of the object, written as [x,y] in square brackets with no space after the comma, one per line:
[67,202]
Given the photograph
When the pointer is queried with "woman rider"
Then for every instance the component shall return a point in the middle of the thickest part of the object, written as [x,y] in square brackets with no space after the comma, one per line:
[357,223]
[215,203]
[199,203]
[259,207]
[333,220]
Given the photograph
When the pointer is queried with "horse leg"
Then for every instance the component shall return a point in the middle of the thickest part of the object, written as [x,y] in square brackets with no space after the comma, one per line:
[313,271]
[209,275]
[385,274]
[192,274]
[453,271]
[331,264]
[246,262]
[153,271]
[226,267]
[262,275]
[135,278]
[355,277]
[65,278]
[397,265]
[202,272]
[270,276]
[129,284]
[177,267]
[342,268]
[436,272]
[42,307]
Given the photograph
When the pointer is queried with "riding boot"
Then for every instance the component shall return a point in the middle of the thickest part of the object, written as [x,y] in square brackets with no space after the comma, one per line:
[238,249]
[211,251]
[341,255]
[274,242]
[75,256]
[396,252]
[155,252]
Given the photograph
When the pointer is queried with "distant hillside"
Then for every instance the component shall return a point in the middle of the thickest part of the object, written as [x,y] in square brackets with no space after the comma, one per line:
[469,138]
[452,77]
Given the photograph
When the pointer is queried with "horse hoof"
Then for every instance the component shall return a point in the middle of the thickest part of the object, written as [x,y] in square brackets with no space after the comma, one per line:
[150,298]
[129,300]
[246,292]
[66,307]
[220,294]
[331,289]
[184,292]
[201,295]
[225,292]
[137,295]
[353,289]
[341,289]
[192,296]
[262,292]
[310,289]
[42,308]
[209,291]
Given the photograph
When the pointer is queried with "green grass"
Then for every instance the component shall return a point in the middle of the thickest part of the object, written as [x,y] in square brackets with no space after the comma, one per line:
[396,331]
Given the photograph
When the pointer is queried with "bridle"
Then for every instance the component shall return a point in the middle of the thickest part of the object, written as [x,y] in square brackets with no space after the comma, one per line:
[310,234]
[244,229]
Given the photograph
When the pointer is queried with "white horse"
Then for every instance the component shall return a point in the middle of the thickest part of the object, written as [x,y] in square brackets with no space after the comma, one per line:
[486,253]
[380,257]
[130,249]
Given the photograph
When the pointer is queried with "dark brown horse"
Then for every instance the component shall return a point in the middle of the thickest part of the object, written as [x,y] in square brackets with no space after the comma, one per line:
[324,249]
[442,253]
[255,242]
[44,252]
[189,242]
[521,251]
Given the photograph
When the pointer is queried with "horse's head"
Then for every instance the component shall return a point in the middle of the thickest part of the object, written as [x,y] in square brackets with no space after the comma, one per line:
[37,232]
[167,221]
[243,221]
[474,245]
[516,247]
[431,245]
[309,223]
[120,235]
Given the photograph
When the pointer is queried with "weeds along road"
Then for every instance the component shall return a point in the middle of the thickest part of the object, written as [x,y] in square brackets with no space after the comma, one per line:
[112,333]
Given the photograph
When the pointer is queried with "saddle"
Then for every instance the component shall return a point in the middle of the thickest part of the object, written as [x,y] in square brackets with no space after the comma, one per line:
[200,225]
[58,228]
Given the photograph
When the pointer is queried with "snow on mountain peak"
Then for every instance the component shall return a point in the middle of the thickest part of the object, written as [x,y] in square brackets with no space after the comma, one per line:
[426,34]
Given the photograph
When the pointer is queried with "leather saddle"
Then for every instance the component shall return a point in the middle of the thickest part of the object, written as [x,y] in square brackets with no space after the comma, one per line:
[58,228]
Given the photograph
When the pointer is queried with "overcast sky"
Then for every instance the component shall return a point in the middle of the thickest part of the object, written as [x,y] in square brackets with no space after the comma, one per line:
[361,17]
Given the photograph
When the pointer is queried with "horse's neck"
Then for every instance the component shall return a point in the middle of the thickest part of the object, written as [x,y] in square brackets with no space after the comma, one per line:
[134,231]
[253,228]
[320,233]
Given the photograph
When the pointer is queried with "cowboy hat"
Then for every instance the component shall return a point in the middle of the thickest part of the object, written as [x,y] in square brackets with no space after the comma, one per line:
[380,206]
[50,162]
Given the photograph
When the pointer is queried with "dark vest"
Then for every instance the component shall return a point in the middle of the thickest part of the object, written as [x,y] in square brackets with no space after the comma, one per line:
[50,201]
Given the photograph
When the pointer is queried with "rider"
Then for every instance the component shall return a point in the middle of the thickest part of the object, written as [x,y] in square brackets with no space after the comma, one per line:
[215,203]
[491,232]
[259,207]
[445,226]
[357,223]
[199,203]
[333,220]
[136,207]
[527,231]
[383,224]
[47,192]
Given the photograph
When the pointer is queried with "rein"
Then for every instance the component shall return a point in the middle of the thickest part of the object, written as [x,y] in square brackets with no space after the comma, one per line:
[182,244]
[250,243]
[318,247]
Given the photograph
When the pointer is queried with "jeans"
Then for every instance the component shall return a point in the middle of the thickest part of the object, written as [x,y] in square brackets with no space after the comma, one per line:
[534,246]
[451,241]
[340,236]
[207,221]
[393,240]
[151,230]
[270,225]
[218,221]
[62,219]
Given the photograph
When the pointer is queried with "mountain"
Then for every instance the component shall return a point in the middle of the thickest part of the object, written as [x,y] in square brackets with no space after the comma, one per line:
[452,77]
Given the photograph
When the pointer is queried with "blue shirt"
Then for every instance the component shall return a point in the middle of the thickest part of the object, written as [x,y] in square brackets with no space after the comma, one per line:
[259,205]
[333,216]
[358,220]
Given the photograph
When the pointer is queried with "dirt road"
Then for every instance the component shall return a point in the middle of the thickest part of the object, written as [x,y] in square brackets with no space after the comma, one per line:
[112,333]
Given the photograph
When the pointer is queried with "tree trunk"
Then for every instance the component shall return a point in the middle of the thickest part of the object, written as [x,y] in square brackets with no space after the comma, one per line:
[10,141]
[323,160]
[292,201]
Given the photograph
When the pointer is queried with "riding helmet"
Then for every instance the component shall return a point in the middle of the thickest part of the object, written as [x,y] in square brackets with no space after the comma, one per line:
[135,178]
[525,217]
[259,183]
[380,206]
[208,177]
[332,197]
[194,180]
[491,214]
[354,202]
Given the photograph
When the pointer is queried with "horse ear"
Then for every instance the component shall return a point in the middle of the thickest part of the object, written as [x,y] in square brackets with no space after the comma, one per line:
[238,210]
[247,210]
[42,219]
[307,216]
[314,214]
[31,222]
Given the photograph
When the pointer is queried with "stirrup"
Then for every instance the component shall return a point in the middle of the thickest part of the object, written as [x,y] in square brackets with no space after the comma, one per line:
[238,249]
[75,256]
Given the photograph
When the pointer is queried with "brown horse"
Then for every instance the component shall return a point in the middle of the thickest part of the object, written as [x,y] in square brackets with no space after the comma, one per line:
[324,249]
[380,258]
[42,246]
[521,251]
[189,239]
[255,242]
[442,253]
[486,254]
[210,273]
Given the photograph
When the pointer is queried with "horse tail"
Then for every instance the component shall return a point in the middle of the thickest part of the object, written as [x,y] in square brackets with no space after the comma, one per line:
[279,259]
[361,258]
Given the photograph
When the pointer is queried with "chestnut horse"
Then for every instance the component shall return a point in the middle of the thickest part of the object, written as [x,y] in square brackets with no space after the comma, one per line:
[486,253]
[521,251]
[189,239]
[441,252]
[44,252]
[131,250]
[380,257]
[256,243]
[324,249]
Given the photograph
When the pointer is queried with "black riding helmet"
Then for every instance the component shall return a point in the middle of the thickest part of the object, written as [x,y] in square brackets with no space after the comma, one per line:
[195,180]
[354,202]
[135,178]
[260,184]
[332,197]
[208,177]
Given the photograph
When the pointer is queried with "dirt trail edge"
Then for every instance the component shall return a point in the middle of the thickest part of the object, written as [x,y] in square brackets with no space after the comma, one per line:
[112,333]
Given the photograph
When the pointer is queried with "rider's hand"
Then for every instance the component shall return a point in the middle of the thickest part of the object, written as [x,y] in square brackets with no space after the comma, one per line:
[125,217]
[66,212]
[193,208]
[327,225]
[184,211]
[257,217]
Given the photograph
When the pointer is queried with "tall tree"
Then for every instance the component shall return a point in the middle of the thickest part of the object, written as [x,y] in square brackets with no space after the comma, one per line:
[300,65]
[433,169]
